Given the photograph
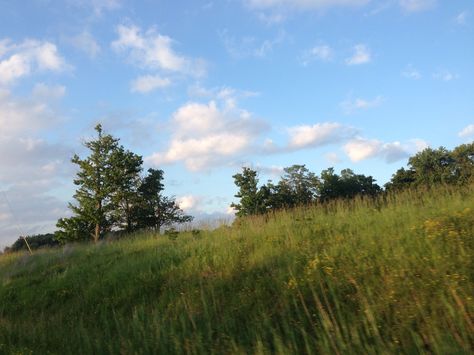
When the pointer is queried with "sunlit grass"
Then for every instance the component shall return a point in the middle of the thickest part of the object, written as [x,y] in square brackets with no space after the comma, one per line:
[370,277]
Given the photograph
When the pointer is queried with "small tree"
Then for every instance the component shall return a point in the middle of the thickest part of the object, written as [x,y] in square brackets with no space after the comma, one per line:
[155,210]
[252,199]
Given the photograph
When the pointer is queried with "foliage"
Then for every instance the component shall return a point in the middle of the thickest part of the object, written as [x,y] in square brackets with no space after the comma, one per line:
[252,199]
[155,210]
[298,187]
[436,166]
[37,241]
[390,275]
[112,195]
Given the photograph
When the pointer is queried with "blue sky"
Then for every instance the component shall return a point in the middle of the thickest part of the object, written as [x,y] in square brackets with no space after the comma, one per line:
[202,88]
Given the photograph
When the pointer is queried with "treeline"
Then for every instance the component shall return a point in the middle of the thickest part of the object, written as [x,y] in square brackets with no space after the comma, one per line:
[299,186]
[114,197]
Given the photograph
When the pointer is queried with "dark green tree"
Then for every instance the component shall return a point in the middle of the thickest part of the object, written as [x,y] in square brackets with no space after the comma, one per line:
[126,179]
[155,210]
[346,185]
[100,178]
[252,199]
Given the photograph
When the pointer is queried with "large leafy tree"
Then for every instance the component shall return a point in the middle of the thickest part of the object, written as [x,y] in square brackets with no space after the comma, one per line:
[436,166]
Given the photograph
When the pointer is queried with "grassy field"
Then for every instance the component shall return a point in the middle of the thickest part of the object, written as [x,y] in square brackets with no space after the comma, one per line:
[361,277]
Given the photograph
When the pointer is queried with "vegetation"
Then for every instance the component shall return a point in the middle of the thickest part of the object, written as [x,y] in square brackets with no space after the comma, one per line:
[112,196]
[390,274]
[300,187]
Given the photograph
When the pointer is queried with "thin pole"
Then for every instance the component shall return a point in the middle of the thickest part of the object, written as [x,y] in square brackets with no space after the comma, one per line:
[22,235]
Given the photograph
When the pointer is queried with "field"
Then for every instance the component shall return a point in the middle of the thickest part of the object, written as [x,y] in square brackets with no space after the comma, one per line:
[394,275]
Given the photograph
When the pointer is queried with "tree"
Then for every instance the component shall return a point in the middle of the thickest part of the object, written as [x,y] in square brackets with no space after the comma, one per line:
[303,185]
[347,185]
[252,199]
[402,179]
[433,166]
[126,179]
[436,166]
[463,156]
[298,186]
[155,210]
[101,178]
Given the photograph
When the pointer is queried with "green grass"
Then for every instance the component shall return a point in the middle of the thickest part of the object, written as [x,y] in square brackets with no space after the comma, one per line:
[361,277]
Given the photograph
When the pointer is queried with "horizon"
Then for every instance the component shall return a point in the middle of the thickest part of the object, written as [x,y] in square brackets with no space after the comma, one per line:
[201,89]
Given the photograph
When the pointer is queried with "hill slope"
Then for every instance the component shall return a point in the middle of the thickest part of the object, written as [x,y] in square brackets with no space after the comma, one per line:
[394,275]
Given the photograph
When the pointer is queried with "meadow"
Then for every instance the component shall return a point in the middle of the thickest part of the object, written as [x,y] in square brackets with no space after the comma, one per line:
[391,275]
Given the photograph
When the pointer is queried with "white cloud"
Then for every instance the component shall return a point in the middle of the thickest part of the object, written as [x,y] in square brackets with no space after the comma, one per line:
[188,202]
[322,53]
[467,132]
[31,166]
[361,55]
[319,134]
[351,105]
[461,19]
[445,75]
[153,51]
[206,135]
[332,158]
[250,46]
[302,4]
[98,6]
[147,83]
[23,115]
[86,43]
[361,149]
[19,60]
[411,73]
[417,5]
[43,92]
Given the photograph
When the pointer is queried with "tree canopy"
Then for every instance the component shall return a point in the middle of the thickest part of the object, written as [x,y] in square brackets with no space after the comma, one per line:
[113,196]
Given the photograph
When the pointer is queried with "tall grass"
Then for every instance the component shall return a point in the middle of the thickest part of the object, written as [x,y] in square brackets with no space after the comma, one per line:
[393,275]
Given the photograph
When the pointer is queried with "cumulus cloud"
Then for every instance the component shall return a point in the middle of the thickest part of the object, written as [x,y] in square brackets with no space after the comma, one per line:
[42,91]
[322,53]
[411,73]
[147,83]
[467,132]
[250,46]
[27,57]
[351,105]
[359,149]
[154,51]
[188,202]
[445,75]
[97,6]
[319,134]
[416,5]
[361,55]
[31,166]
[207,135]
[86,43]
[23,115]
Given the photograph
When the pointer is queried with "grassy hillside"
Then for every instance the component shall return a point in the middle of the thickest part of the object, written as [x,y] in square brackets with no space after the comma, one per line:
[361,277]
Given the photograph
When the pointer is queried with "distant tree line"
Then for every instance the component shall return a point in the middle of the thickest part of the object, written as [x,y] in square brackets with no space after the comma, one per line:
[298,186]
[36,241]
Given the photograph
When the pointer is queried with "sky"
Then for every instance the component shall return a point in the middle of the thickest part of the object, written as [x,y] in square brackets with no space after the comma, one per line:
[202,88]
